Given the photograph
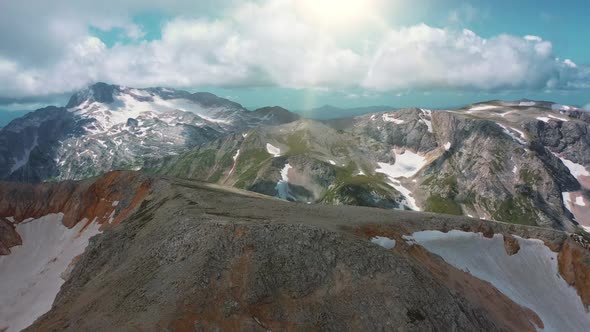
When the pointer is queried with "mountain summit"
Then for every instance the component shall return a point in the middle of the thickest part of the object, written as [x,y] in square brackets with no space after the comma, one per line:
[106,127]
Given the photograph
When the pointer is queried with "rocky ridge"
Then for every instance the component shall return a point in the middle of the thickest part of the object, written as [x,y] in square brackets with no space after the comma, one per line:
[486,160]
[183,260]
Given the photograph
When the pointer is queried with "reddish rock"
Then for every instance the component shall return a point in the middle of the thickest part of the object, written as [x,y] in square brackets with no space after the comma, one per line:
[574,267]
[8,237]
[511,245]
[91,199]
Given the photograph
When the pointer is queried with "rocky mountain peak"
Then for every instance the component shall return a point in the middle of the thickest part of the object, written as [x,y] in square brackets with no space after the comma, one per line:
[97,92]
[280,114]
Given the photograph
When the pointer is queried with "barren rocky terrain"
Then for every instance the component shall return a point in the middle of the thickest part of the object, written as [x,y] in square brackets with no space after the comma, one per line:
[185,255]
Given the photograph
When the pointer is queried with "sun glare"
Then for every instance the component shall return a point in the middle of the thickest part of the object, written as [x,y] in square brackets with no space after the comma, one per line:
[338,13]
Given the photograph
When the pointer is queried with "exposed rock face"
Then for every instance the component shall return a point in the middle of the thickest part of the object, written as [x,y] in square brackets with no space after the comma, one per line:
[574,266]
[28,144]
[8,237]
[485,161]
[511,245]
[569,138]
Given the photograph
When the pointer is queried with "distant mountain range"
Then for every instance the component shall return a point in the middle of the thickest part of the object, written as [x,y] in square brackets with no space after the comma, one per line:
[522,162]
[332,112]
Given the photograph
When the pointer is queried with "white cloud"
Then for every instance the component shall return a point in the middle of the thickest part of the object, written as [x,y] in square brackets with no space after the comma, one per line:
[276,42]
[426,57]
[533,38]
[570,63]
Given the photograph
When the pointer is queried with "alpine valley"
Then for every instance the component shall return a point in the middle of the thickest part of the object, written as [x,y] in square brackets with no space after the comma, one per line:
[160,209]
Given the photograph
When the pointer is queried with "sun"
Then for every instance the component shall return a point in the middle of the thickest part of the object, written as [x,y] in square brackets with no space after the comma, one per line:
[338,13]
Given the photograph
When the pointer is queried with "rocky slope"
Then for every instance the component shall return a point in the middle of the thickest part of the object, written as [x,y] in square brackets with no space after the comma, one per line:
[523,162]
[106,127]
[190,256]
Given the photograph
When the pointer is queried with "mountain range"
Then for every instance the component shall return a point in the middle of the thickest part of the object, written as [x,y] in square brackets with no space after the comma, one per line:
[160,209]
[521,162]
[516,162]
[108,127]
[327,112]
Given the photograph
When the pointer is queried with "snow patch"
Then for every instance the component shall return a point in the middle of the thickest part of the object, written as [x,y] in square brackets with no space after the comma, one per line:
[448,146]
[527,103]
[576,170]
[557,118]
[530,277]
[543,118]
[567,201]
[385,242]
[428,124]
[580,201]
[32,274]
[482,108]
[406,165]
[115,203]
[235,158]
[560,107]
[273,150]
[391,118]
[283,184]
[510,132]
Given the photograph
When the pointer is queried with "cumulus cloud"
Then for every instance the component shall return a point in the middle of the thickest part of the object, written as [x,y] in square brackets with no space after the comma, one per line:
[426,57]
[570,63]
[270,42]
[533,38]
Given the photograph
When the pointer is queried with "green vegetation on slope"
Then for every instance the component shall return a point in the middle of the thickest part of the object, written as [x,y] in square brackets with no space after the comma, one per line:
[515,210]
[297,142]
[354,189]
[249,163]
[438,204]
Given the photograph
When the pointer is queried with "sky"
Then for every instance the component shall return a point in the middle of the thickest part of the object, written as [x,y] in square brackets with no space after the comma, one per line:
[299,54]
